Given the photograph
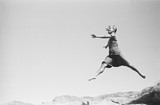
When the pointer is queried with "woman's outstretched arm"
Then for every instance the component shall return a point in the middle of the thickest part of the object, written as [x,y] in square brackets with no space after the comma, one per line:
[103,37]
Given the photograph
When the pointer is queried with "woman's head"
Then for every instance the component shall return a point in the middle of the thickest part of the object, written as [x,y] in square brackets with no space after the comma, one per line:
[111,29]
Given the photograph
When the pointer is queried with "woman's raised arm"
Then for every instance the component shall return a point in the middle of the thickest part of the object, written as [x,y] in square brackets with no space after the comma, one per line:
[103,37]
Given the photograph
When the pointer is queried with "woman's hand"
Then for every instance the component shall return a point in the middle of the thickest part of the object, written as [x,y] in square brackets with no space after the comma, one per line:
[105,46]
[93,36]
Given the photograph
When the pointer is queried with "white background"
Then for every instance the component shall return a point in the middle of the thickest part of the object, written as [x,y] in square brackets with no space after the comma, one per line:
[46,49]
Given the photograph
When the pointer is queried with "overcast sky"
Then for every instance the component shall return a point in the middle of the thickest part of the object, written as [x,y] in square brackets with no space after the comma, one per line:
[46,49]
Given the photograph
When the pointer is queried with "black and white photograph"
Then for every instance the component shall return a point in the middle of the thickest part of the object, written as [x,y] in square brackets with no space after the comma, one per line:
[79,52]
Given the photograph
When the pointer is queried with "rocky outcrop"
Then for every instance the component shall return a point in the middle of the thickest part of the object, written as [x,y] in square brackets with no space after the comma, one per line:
[150,95]
[147,96]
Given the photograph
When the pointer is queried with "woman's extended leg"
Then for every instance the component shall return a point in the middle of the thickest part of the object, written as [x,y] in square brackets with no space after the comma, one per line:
[124,62]
[134,69]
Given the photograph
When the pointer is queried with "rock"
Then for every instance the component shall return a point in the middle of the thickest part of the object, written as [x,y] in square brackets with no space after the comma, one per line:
[66,98]
[150,95]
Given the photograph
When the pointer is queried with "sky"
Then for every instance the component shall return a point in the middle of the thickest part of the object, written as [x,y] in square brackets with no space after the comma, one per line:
[46,49]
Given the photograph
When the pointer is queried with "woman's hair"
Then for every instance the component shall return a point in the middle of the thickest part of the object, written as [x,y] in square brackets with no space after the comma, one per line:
[112,27]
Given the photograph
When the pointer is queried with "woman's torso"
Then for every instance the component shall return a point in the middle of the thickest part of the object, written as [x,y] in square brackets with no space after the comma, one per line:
[113,46]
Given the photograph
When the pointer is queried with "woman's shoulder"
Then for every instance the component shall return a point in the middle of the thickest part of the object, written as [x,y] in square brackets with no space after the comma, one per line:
[114,37]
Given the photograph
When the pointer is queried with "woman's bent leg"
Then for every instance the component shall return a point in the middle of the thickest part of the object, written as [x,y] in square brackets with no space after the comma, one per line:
[105,64]
[100,70]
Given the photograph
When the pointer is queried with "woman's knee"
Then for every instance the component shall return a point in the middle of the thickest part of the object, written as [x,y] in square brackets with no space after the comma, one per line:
[106,65]
[103,62]
[108,59]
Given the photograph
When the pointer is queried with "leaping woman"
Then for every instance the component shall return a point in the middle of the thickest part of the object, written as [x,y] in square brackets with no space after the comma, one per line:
[115,57]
